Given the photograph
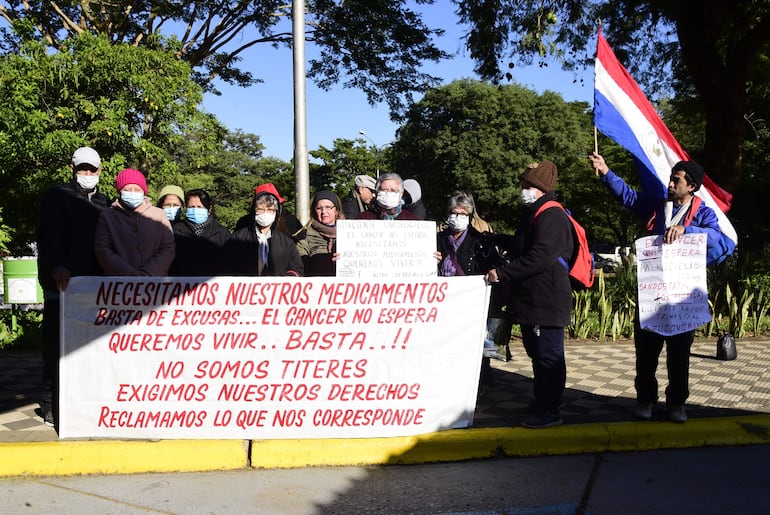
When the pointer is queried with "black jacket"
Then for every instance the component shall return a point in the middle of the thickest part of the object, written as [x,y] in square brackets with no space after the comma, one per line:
[240,254]
[537,284]
[65,231]
[287,222]
[352,205]
[198,255]
[418,209]
[476,255]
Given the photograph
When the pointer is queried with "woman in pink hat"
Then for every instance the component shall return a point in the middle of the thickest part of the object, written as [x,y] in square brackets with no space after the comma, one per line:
[134,237]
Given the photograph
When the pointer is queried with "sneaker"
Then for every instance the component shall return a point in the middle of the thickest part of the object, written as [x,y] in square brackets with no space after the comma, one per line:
[643,411]
[48,417]
[542,421]
[677,414]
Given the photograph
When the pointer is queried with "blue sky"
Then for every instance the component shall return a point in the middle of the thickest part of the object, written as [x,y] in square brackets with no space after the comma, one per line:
[266,109]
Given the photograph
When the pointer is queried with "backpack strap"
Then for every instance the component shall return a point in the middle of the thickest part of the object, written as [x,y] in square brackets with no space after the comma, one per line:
[547,205]
[694,205]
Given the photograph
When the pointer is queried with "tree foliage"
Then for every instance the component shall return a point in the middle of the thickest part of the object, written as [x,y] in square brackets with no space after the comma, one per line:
[136,106]
[376,47]
[478,137]
[231,174]
[341,163]
[712,49]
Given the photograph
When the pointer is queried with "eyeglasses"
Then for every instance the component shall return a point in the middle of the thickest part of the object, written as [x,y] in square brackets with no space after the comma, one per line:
[325,208]
[263,210]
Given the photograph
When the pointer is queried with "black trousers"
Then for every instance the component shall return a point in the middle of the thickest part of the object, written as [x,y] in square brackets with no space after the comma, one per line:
[545,347]
[50,349]
[649,345]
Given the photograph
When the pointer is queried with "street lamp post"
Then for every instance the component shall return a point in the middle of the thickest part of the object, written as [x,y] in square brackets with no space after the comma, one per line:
[377,150]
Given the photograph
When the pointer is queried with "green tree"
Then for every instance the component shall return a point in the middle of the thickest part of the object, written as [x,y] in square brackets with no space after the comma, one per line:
[478,137]
[377,47]
[233,171]
[341,163]
[136,106]
[712,49]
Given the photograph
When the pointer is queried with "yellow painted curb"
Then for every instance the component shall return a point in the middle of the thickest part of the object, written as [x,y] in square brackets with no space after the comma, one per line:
[452,445]
[462,444]
[68,457]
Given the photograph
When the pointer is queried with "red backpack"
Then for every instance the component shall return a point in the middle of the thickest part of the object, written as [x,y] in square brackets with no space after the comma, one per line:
[581,264]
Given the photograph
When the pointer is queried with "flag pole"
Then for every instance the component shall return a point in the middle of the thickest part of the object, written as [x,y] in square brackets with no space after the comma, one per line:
[596,131]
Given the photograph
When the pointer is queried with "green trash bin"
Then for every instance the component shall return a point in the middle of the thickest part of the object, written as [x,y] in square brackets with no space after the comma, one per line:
[20,281]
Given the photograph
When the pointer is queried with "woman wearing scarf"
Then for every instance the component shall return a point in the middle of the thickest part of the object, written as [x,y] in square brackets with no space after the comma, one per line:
[465,251]
[389,203]
[199,238]
[319,244]
[259,248]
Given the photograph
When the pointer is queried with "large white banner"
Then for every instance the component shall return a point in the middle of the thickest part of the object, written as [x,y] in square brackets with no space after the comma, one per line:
[261,358]
[386,249]
[673,291]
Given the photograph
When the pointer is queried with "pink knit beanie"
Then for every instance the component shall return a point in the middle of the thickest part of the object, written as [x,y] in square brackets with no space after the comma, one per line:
[130,176]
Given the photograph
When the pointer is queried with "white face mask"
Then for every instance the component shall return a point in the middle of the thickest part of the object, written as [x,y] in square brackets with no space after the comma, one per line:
[529,196]
[388,199]
[457,222]
[87,182]
[264,219]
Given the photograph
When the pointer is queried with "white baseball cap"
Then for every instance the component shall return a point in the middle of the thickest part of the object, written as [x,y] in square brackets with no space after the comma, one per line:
[86,156]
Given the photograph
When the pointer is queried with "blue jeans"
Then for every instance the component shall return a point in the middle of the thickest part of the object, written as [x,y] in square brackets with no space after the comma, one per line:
[649,345]
[545,347]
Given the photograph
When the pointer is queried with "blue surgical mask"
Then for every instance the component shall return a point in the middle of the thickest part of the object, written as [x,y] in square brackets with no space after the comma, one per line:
[172,212]
[132,199]
[197,215]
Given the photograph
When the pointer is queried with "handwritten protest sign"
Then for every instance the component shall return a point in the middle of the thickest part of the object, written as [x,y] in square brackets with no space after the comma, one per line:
[673,293]
[386,249]
[261,358]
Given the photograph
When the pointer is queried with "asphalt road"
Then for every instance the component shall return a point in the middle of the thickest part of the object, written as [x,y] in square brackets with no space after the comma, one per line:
[710,480]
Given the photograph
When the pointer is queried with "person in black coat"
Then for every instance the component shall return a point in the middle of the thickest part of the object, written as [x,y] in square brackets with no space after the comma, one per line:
[287,221]
[66,224]
[465,251]
[413,199]
[540,292]
[260,249]
[199,238]
[360,197]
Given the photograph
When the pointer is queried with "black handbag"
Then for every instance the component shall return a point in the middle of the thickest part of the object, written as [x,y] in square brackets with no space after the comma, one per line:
[726,350]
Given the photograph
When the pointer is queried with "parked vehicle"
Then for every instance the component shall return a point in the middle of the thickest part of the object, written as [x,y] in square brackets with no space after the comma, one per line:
[612,257]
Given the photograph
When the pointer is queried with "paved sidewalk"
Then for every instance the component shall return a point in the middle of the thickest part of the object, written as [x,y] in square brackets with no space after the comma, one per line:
[600,393]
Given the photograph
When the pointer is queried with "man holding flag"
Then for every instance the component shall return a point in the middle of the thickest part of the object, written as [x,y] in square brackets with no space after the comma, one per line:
[683,213]
[696,204]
